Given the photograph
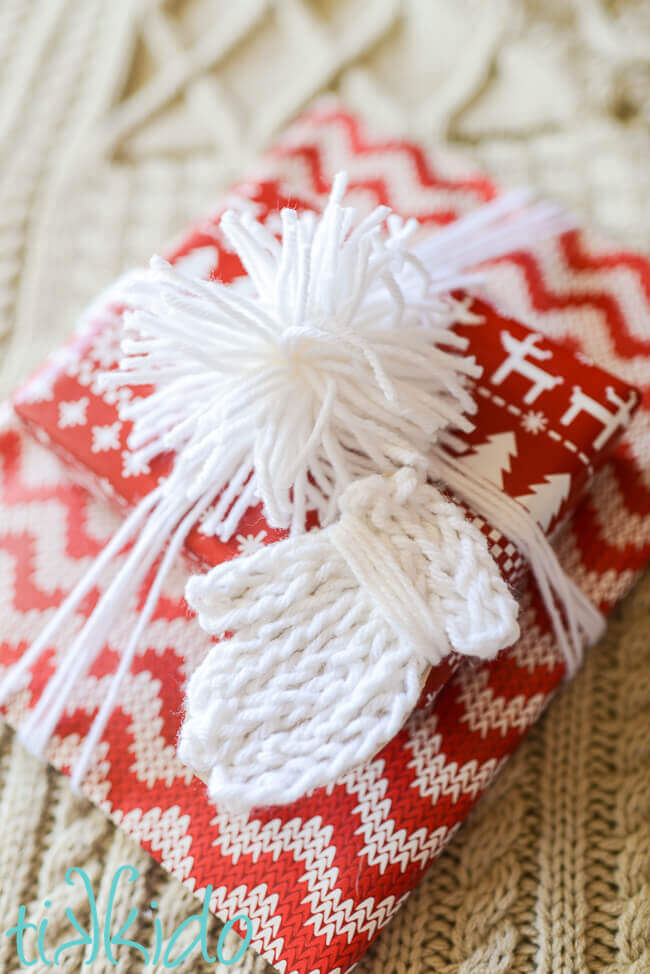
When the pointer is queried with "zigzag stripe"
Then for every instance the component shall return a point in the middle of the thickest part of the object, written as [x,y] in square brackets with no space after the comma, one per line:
[626,344]
[604,548]
[149,763]
[18,589]
[349,919]
[45,560]
[545,300]
[581,259]
[131,721]
[308,841]
[331,912]
[17,455]
[630,464]
[343,901]
[262,908]
[384,845]
[606,581]
[390,177]
[361,145]
[30,556]
[375,186]
[631,530]
[166,833]
[485,711]
[584,329]
[154,758]
[257,842]
[536,646]
[618,282]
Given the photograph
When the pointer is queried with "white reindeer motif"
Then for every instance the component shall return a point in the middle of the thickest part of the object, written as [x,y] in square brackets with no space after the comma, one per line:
[582,403]
[517,362]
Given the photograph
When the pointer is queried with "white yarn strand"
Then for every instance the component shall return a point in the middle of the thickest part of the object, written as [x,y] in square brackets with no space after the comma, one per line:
[505,224]
[583,623]
[15,676]
[42,720]
[101,719]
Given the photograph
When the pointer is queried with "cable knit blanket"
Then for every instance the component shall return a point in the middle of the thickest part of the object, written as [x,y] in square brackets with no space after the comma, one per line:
[118,123]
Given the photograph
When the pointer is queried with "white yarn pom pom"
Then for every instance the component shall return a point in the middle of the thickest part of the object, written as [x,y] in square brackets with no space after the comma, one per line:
[334,633]
[332,368]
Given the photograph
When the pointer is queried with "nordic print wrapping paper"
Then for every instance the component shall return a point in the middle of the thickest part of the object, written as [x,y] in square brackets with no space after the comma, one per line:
[320,878]
[545,420]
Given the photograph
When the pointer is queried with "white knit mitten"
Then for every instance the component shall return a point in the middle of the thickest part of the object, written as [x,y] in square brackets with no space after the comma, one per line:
[333,634]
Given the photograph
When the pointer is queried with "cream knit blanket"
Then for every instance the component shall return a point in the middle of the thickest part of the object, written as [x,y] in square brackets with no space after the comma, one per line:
[119,121]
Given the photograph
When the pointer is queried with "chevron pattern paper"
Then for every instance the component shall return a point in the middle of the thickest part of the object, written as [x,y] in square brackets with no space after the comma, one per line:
[321,877]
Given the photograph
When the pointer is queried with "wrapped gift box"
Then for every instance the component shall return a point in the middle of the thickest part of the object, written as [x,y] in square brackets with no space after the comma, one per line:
[321,877]
[545,422]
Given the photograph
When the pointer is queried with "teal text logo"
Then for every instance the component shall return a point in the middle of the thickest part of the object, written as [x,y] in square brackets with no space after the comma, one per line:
[101,936]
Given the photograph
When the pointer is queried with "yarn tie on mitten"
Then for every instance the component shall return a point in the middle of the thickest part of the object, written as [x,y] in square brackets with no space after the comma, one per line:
[333,635]
[424,566]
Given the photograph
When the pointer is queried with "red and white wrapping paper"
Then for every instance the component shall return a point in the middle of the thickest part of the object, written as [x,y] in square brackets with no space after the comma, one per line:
[319,878]
[545,422]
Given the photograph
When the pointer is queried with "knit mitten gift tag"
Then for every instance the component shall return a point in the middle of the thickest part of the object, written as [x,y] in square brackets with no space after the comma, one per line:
[333,633]
[319,877]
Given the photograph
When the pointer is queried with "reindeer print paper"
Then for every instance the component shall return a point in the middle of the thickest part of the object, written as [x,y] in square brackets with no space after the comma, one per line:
[546,420]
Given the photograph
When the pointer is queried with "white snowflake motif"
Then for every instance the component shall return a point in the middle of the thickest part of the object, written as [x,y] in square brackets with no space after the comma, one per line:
[86,373]
[534,422]
[106,437]
[113,397]
[72,365]
[124,396]
[106,348]
[201,262]
[73,412]
[133,465]
[110,396]
[248,544]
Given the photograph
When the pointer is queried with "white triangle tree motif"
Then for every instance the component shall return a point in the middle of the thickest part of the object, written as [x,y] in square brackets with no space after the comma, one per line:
[546,498]
[492,458]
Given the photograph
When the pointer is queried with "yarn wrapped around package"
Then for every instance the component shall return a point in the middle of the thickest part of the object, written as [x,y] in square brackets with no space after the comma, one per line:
[320,877]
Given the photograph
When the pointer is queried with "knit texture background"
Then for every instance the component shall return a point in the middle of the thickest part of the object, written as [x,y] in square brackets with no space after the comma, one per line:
[119,123]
